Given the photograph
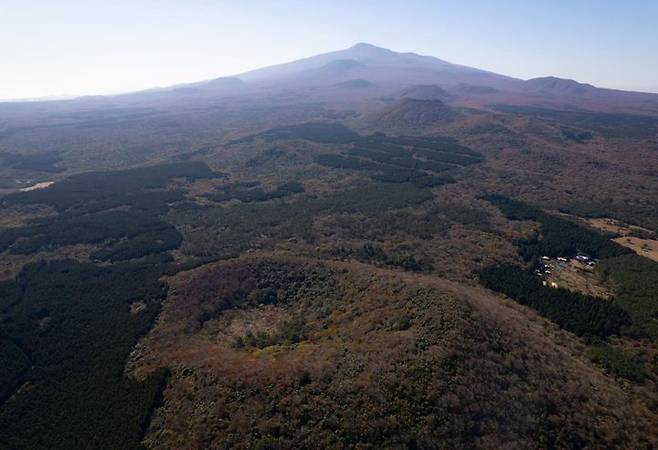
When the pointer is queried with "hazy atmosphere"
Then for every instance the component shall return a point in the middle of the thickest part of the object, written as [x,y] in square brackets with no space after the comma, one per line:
[69,47]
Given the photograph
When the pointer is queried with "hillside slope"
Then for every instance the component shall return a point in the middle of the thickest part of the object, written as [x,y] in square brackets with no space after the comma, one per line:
[350,356]
[411,113]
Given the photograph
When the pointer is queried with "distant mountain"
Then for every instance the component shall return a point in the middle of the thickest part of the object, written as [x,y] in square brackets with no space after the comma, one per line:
[354,84]
[426,92]
[415,114]
[429,78]
[223,82]
[559,86]
[586,96]
[198,90]
[339,69]
[366,54]
[342,65]
[470,89]
[351,77]
[379,64]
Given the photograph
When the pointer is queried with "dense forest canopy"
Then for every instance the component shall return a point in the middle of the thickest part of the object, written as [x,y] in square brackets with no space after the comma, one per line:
[67,331]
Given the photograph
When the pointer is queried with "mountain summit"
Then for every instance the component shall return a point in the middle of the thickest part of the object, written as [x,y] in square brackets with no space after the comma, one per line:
[339,78]
[376,64]
[559,86]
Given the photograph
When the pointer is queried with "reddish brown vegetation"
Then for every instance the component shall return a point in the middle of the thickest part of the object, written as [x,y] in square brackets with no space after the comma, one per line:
[387,360]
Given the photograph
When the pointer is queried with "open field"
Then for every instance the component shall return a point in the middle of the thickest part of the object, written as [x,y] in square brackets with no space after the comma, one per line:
[643,247]
[616,227]
[576,276]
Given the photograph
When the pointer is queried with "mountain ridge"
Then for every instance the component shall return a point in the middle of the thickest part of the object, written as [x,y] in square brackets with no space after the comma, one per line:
[392,72]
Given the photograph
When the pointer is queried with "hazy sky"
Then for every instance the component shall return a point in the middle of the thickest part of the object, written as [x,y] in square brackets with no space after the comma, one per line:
[60,47]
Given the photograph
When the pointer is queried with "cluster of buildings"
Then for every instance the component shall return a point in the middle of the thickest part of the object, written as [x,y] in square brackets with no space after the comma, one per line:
[546,266]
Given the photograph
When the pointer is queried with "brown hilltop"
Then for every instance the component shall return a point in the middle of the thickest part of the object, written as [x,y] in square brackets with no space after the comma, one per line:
[426,92]
[415,114]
